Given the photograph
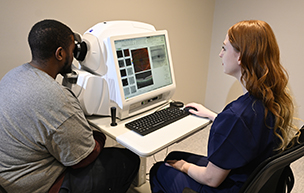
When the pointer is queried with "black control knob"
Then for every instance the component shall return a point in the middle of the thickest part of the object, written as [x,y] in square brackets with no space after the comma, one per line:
[113,116]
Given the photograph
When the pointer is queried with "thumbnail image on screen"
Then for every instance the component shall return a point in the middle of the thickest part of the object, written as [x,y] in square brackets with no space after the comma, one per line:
[143,63]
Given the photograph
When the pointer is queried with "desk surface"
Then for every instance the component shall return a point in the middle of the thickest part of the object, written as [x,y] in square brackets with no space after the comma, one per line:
[150,144]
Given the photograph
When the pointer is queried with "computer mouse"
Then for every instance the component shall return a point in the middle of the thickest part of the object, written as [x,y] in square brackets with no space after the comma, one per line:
[177,104]
[188,108]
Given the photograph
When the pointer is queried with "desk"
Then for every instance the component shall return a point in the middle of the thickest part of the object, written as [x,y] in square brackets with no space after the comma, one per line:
[154,142]
[147,145]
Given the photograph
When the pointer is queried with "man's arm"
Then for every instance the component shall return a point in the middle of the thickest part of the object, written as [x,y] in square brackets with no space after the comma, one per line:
[100,139]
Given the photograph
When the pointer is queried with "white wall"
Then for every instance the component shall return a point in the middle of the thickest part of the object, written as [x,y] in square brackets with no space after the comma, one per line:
[192,26]
[286,20]
[189,24]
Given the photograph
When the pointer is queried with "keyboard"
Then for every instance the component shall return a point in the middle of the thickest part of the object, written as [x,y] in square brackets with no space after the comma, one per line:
[156,120]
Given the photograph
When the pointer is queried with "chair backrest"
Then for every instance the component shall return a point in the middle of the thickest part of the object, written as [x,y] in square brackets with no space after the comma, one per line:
[273,174]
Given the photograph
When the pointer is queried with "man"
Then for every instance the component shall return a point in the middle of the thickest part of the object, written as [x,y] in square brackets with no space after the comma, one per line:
[46,143]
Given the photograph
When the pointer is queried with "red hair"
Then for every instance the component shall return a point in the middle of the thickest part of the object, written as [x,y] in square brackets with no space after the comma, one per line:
[262,73]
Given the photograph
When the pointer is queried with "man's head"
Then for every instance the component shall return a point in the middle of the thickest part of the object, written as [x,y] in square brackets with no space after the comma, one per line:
[46,37]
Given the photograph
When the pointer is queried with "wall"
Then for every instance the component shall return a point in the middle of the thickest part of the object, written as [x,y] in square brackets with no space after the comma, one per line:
[189,24]
[285,18]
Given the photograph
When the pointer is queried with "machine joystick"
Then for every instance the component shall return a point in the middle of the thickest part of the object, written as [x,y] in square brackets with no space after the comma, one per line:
[113,116]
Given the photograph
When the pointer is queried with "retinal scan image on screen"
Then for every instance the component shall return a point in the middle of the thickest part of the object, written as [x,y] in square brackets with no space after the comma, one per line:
[143,64]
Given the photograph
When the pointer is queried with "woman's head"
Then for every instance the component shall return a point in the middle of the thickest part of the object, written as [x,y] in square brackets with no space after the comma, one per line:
[259,57]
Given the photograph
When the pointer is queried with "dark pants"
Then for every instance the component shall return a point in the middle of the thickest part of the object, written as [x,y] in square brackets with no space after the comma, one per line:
[167,179]
[112,171]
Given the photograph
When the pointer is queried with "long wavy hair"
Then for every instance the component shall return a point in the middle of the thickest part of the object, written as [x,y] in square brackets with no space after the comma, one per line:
[262,73]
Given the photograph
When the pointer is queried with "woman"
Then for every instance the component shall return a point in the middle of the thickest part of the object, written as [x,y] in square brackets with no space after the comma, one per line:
[248,130]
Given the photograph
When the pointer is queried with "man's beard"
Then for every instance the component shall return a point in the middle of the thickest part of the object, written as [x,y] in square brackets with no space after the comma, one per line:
[67,68]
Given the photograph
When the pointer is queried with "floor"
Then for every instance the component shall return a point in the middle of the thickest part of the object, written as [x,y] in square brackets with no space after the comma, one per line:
[198,144]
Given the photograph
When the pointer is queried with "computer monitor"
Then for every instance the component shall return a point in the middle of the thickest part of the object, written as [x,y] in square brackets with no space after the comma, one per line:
[128,65]
[142,72]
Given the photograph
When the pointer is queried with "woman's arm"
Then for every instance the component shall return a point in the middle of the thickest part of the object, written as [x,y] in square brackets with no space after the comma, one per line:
[211,175]
[202,111]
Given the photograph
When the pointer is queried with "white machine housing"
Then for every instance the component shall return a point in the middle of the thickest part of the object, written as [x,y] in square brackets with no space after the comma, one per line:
[99,86]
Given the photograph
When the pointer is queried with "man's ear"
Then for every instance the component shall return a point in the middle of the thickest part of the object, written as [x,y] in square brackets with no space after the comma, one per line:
[59,54]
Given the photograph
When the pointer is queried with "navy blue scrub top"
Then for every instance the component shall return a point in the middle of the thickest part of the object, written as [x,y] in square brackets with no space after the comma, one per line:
[239,139]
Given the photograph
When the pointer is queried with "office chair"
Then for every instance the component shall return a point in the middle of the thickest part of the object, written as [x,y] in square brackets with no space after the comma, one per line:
[273,175]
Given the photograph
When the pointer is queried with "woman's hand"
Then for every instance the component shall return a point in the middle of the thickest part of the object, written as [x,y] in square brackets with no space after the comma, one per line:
[201,111]
[210,175]
[180,165]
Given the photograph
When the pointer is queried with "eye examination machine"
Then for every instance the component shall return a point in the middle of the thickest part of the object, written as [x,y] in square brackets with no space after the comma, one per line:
[122,64]
[124,70]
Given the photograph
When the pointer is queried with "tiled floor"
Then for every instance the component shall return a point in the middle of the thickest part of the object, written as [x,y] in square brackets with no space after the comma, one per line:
[196,143]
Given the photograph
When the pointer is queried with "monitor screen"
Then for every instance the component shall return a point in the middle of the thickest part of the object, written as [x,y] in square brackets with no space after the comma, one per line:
[143,63]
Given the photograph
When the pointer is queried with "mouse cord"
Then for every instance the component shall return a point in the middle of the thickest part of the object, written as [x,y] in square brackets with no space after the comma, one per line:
[165,155]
